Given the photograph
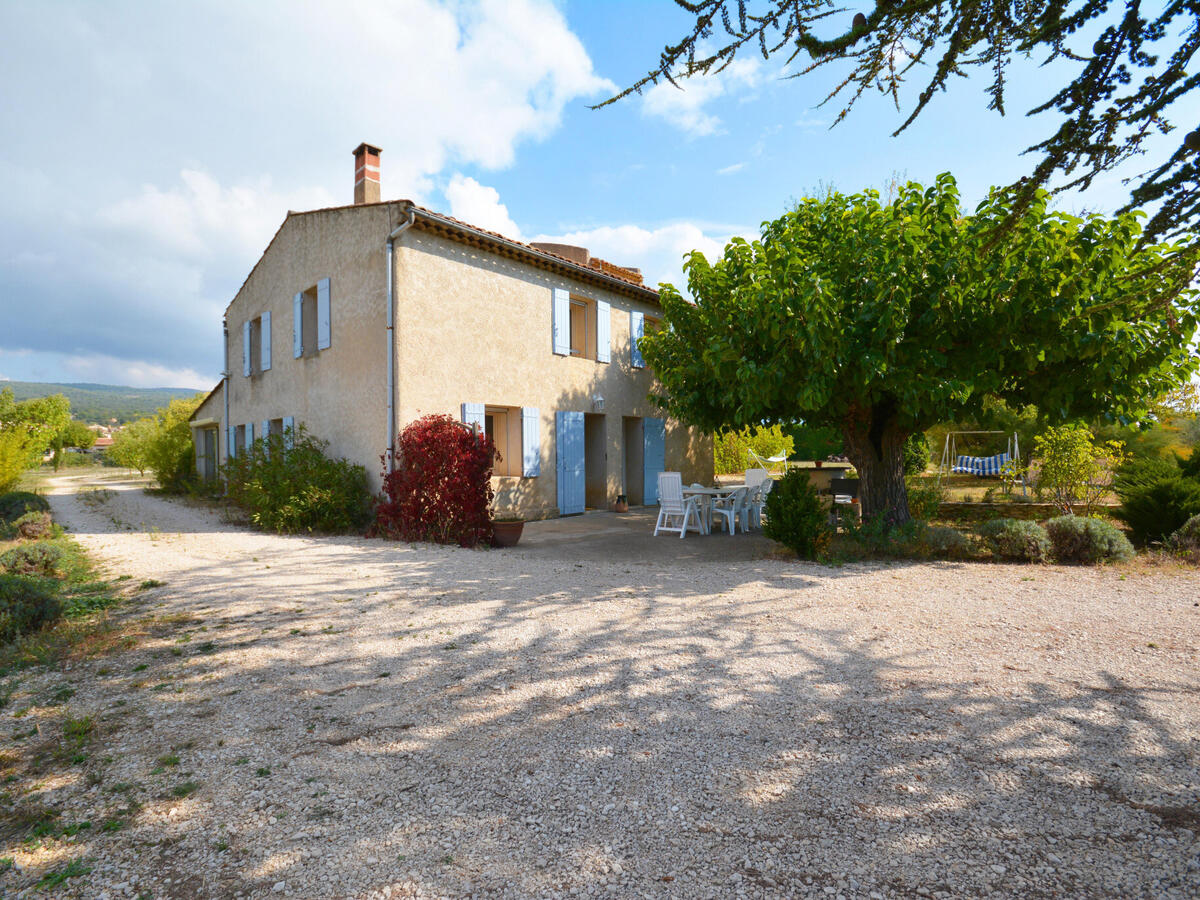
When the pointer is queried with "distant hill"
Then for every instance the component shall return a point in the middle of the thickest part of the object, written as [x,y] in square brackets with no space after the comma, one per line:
[99,403]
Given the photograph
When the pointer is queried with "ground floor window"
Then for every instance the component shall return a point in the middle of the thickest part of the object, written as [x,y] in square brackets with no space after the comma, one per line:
[503,425]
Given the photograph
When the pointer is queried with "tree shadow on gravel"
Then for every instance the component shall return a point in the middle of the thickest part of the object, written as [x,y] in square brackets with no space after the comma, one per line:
[448,723]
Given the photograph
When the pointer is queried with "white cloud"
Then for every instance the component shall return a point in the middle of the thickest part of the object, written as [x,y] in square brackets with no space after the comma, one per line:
[729,170]
[182,134]
[199,219]
[658,252]
[684,106]
[479,205]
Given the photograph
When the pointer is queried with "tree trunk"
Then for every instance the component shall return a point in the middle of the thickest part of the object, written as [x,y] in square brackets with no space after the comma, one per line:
[875,444]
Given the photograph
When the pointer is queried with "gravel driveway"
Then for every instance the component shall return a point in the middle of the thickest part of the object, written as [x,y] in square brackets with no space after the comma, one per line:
[354,718]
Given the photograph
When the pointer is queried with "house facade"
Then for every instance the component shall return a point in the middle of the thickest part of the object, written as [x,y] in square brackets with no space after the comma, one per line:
[360,319]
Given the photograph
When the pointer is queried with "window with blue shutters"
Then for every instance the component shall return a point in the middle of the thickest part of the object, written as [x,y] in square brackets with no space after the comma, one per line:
[312,320]
[514,432]
[637,328]
[603,332]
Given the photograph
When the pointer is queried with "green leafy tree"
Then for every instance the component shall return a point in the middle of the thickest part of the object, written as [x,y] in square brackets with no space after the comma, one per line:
[731,449]
[1075,468]
[884,320]
[1132,68]
[170,454]
[130,445]
[73,434]
[27,429]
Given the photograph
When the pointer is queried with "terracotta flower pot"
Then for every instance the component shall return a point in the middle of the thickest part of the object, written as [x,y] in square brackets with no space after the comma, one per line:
[621,505]
[506,534]
[818,462]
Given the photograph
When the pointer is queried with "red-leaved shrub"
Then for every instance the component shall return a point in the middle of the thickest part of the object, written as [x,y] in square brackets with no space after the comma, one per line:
[440,488]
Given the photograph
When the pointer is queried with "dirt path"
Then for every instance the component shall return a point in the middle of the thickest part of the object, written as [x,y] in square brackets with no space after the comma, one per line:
[317,717]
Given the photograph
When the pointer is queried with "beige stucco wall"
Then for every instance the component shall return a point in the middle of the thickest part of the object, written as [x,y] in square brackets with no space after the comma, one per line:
[475,327]
[339,394]
[471,326]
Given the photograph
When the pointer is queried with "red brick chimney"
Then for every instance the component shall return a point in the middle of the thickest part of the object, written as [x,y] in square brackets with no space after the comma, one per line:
[366,174]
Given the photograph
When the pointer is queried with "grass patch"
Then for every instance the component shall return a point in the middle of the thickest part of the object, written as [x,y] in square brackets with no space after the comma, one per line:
[76,868]
[185,788]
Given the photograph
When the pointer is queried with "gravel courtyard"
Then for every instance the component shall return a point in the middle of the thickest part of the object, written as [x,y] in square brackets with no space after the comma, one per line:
[357,719]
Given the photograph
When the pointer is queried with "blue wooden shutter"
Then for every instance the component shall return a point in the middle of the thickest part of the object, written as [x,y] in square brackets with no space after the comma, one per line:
[265,355]
[324,330]
[472,414]
[246,348]
[230,442]
[654,457]
[569,446]
[298,325]
[637,328]
[289,432]
[603,332]
[562,322]
[249,435]
[531,442]
[266,429]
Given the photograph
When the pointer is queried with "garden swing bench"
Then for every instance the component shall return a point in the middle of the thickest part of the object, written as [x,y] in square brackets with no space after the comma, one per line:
[954,463]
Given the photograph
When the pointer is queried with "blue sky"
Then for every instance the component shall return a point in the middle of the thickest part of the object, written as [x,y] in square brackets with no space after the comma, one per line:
[151,150]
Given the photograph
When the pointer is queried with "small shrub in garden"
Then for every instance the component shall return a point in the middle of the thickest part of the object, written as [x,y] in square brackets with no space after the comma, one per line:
[15,504]
[298,488]
[925,497]
[1078,540]
[1186,538]
[796,518]
[1140,472]
[945,542]
[1014,539]
[441,486]
[26,604]
[41,558]
[34,525]
[1155,512]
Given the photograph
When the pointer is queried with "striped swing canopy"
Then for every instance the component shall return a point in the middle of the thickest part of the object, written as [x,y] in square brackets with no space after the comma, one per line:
[983,466]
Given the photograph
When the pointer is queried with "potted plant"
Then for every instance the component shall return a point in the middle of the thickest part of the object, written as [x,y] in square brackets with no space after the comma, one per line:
[506,530]
[622,504]
[818,462]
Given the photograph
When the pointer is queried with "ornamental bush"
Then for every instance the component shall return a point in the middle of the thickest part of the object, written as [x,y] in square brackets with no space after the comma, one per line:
[1154,512]
[440,488]
[41,558]
[796,518]
[1186,538]
[26,604]
[945,542]
[34,525]
[15,504]
[1087,541]
[298,488]
[1017,540]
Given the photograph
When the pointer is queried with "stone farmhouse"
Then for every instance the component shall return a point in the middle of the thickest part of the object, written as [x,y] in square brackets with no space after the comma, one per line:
[359,319]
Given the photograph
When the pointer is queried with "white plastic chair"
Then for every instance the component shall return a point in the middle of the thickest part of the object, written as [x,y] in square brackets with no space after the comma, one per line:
[755,477]
[732,508]
[759,502]
[672,508]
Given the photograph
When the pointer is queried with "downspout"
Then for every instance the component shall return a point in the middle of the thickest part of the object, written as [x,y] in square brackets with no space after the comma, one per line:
[225,384]
[391,333]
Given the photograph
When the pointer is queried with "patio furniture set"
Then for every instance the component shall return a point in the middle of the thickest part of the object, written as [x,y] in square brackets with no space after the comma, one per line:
[697,507]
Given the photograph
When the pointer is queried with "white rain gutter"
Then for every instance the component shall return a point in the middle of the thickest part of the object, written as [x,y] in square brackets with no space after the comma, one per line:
[391,333]
[225,386]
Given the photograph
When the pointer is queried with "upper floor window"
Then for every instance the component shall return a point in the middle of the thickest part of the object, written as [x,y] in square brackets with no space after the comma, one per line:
[311,322]
[581,326]
[256,345]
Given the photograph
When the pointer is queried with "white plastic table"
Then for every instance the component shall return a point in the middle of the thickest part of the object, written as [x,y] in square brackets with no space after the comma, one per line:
[706,495]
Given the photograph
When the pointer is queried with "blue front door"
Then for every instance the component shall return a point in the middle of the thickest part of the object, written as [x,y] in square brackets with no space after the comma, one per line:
[571,480]
[654,457]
